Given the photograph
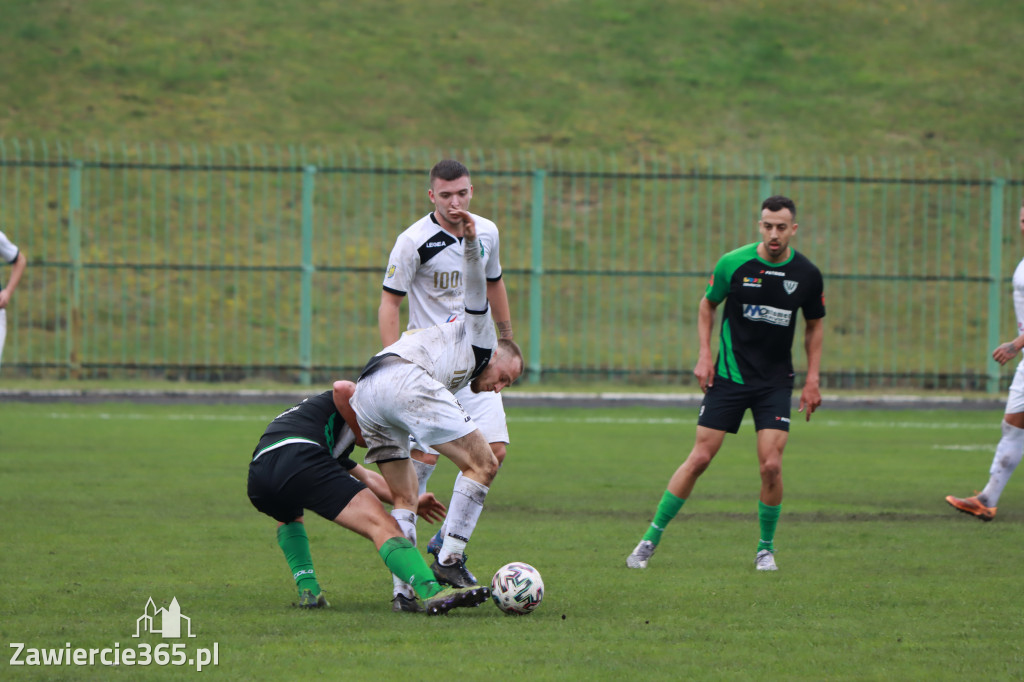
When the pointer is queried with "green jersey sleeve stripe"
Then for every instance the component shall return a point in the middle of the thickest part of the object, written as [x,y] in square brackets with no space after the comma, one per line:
[718,287]
[727,365]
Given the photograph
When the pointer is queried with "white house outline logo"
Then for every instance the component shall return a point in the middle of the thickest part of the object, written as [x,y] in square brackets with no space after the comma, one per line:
[169,621]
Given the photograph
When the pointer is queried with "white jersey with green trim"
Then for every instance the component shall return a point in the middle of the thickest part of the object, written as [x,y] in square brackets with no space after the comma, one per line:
[427,263]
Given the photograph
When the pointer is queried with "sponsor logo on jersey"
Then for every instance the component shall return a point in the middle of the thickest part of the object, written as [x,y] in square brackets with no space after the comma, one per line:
[434,245]
[789,285]
[452,318]
[775,273]
[391,272]
[765,313]
[752,282]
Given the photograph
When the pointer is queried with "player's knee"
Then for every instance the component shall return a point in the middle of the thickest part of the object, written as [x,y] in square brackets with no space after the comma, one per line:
[698,461]
[488,468]
[771,471]
[484,465]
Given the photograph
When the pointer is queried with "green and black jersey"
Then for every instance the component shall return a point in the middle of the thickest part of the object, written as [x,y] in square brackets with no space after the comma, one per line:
[315,420]
[759,318]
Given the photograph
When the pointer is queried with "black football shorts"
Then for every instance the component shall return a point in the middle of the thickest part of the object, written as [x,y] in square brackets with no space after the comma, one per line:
[286,480]
[726,401]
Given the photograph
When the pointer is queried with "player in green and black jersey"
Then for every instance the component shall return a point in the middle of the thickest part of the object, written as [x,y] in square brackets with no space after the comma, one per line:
[763,285]
[296,466]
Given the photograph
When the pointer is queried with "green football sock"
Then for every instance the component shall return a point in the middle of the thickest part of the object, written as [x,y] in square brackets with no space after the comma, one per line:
[769,518]
[294,542]
[667,510]
[402,559]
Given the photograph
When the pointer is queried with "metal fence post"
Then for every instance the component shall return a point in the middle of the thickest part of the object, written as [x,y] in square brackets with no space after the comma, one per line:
[536,273]
[995,278]
[306,293]
[74,362]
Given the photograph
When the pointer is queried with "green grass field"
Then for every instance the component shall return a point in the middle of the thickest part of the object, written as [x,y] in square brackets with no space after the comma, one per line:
[107,505]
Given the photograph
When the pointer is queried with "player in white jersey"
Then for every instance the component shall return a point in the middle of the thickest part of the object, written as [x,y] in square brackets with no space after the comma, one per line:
[1011,446]
[9,253]
[408,390]
[425,265]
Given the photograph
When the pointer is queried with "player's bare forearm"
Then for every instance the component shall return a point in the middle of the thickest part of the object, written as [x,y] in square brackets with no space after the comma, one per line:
[497,297]
[342,395]
[705,368]
[374,481]
[1008,351]
[388,318]
[810,397]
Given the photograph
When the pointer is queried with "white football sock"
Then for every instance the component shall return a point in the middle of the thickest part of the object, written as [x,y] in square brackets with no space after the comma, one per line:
[463,513]
[1008,456]
[423,472]
[407,522]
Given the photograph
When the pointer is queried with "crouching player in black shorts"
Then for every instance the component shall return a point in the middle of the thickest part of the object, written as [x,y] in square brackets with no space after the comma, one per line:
[302,462]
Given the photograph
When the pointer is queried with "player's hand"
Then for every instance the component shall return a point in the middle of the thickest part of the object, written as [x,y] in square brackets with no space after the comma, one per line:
[468,224]
[430,508]
[810,398]
[5,298]
[705,373]
[1003,354]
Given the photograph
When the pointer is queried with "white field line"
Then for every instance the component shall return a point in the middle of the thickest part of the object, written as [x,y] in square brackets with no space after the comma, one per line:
[689,421]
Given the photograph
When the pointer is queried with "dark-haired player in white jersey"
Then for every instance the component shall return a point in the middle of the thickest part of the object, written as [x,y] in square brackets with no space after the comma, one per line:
[425,266]
[1010,448]
[763,286]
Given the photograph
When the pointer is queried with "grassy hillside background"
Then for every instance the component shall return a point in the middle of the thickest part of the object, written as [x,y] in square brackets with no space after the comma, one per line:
[889,77]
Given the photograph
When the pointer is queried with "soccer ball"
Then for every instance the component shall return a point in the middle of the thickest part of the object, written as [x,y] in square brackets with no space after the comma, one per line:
[517,588]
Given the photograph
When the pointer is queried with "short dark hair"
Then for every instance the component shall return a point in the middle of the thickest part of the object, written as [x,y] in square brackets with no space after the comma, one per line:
[448,170]
[779,202]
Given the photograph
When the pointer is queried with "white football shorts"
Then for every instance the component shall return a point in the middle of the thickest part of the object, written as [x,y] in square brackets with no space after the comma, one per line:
[1015,400]
[400,400]
[488,412]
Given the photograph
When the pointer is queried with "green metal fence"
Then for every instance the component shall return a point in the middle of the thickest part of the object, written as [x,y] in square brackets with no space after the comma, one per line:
[187,262]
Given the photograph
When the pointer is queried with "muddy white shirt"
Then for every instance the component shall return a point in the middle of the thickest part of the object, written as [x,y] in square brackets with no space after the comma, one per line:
[427,263]
[456,352]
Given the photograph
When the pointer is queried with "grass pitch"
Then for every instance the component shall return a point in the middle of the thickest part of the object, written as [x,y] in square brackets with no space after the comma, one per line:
[108,505]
